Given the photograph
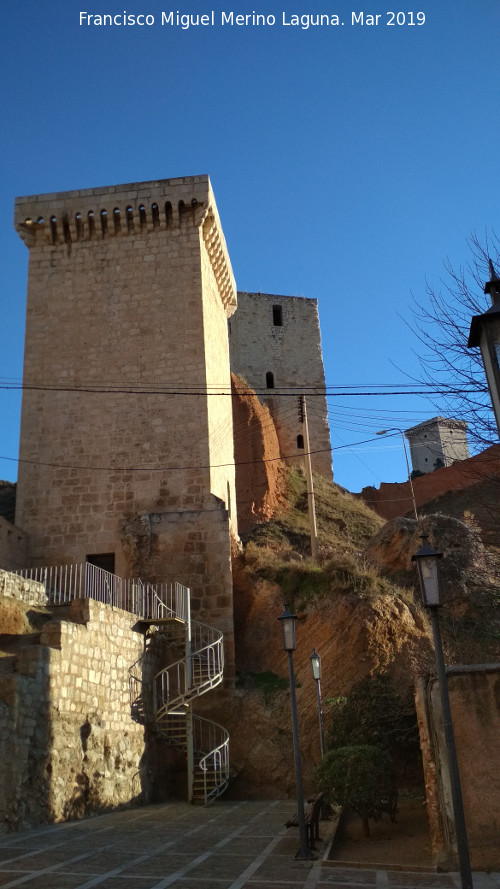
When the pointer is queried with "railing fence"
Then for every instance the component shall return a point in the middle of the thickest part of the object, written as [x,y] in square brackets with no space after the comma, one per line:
[63,583]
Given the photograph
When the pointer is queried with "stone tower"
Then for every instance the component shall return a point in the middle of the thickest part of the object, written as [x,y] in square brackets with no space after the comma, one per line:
[126,455]
[436,443]
[276,346]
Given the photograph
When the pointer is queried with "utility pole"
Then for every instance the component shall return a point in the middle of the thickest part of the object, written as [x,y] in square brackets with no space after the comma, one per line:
[309,477]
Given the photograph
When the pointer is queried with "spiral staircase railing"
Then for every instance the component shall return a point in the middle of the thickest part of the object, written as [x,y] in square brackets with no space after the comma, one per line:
[164,702]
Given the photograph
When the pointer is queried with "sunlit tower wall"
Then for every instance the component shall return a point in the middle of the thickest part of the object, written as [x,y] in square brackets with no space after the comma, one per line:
[275,344]
[126,452]
[437,443]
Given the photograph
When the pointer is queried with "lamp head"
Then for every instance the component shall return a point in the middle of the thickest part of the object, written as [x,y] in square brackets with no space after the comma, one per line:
[287,620]
[315,665]
[427,559]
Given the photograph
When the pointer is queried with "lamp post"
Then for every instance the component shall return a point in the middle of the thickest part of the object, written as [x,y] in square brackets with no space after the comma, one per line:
[427,559]
[316,671]
[396,429]
[287,621]
[485,333]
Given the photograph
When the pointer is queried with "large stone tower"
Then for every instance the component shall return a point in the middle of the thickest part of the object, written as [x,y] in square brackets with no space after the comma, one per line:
[126,455]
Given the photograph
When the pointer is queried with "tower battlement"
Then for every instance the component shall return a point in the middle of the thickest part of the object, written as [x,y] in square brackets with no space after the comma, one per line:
[135,210]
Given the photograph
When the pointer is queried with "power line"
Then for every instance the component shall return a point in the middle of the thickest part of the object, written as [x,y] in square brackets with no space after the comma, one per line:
[282,392]
[178,468]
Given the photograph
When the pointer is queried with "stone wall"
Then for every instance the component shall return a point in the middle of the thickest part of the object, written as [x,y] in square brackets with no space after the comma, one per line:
[394,499]
[13,546]
[291,352]
[68,746]
[475,705]
[29,591]
[129,292]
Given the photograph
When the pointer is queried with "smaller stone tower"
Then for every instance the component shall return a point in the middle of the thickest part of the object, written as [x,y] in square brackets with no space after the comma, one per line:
[275,344]
[437,443]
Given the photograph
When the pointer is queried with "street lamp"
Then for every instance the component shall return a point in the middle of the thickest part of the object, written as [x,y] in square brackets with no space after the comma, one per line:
[427,559]
[316,671]
[287,620]
[396,429]
[485,333]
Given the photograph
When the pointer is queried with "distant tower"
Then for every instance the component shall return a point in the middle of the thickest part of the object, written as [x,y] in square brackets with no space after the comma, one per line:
[275,344]
[126,454]
[436,443]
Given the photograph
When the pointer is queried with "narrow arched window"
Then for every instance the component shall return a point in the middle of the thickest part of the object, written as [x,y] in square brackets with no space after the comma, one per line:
[79,226]
[155,213]
[269,380]
[53,229]
[104,222]
[129,213]
[142,215]
[168,213]
[116,220]
[91,222]
[300,442]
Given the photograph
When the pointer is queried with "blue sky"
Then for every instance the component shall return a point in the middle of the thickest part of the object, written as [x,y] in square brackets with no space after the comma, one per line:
[347,163]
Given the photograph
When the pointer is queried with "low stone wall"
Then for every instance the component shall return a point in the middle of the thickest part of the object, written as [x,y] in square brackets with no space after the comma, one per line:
[68,745]
[475,705]
[29,591]
[13,546]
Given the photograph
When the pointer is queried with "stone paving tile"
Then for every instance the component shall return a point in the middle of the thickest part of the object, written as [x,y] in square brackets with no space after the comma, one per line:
[96,864]
[347,877]
[121,883]
[259,830]
[222,866]
[402,880]
[349,884]
[279,868]
[188,883]
[162,865]
[52,881]
[8,852]
[251,846]
[271,884]
[287,846]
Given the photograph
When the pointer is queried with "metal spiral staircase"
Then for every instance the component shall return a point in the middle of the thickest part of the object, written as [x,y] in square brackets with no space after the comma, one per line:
[192,655]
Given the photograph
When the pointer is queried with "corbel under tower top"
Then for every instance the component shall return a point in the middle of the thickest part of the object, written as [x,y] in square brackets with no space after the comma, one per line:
[64,219]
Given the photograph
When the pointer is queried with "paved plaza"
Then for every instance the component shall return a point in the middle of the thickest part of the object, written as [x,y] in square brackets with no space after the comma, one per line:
[230,845]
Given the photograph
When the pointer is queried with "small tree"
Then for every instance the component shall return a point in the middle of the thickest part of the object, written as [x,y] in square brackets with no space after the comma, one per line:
[361,778]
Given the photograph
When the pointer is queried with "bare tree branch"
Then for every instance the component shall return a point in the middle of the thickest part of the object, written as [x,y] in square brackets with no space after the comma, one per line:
[441,325]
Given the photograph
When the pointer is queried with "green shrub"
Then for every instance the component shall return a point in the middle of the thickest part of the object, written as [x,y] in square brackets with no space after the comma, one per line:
[361,778]
[374,713]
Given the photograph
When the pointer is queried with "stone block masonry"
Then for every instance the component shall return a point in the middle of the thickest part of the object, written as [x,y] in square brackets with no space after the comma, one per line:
[68,746]
[29,591]
[129,292]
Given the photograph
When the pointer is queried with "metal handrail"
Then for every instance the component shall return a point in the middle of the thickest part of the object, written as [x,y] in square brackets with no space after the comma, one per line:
[64,583]
[174,684]
[215,763]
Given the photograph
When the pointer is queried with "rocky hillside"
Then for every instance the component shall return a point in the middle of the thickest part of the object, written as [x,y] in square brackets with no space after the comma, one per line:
[359,607]
[355,616]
